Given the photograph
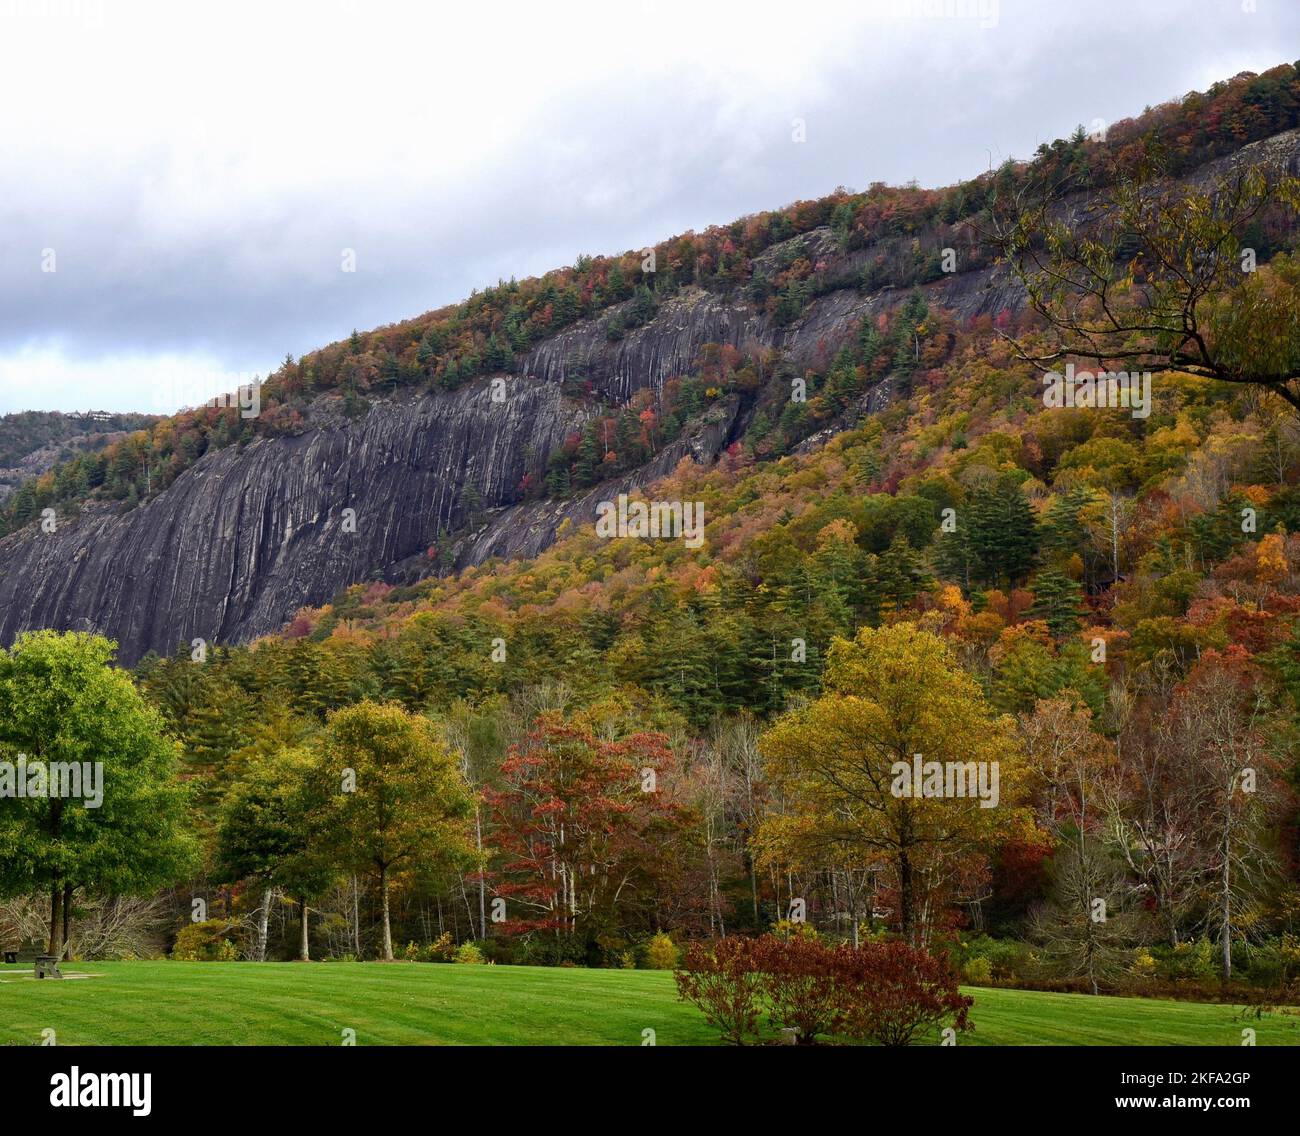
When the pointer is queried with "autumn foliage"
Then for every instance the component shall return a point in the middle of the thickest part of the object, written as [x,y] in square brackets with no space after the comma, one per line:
[893,992]
[722,980]
[582,828]
[885,992]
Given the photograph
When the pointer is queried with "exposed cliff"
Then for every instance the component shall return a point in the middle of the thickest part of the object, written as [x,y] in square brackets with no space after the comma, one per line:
[670,343]
[248,535]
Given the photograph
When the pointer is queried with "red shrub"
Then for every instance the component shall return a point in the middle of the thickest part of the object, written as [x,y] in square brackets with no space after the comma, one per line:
[801,984]
[893,991]
[883,992]
[722,980]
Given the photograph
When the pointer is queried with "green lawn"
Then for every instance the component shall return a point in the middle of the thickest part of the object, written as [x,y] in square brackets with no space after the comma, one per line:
[177,1003]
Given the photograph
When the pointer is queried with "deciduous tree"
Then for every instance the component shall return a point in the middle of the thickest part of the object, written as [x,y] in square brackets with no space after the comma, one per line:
[62,700]
[394,797]
[890,694]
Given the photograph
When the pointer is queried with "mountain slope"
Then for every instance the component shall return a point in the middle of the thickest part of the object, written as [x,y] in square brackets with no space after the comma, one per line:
[33,442]
[454,471]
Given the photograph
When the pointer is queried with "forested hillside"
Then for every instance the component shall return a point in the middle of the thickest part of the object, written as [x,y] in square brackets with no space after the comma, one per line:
[909,550]
[897,234]
[1121,591]
[33,441]
[365,462]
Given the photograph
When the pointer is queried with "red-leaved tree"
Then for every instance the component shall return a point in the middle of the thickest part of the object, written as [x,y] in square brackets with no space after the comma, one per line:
[583,829]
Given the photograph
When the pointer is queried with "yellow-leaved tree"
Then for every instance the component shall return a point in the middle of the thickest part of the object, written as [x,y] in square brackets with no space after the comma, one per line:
[899,766]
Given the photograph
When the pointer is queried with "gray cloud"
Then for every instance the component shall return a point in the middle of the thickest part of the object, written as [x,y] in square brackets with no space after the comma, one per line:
[213,235]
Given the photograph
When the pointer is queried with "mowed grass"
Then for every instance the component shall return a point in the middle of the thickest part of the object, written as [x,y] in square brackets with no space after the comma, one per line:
[177,1003]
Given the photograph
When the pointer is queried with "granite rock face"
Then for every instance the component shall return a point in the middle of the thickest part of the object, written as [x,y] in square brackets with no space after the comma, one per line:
[670,343]
[247,536]
[524,530]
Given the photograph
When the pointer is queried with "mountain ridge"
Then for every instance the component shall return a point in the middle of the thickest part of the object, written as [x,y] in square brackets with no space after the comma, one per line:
[251,532]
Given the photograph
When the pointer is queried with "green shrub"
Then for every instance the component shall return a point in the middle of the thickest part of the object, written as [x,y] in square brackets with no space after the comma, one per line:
[609,951]
[978,971]
[501,951]
[545,950]
[661,953]
[469,953]
[1008,961]
[213,940]
[1188,962]
[1274,963]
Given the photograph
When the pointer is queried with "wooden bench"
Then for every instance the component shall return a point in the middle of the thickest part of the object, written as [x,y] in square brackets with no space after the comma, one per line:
[28,952]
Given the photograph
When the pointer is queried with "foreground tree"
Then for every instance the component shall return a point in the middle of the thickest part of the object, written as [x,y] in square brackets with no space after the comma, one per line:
[892,694]
[584,827]
[393,798]
[62,701]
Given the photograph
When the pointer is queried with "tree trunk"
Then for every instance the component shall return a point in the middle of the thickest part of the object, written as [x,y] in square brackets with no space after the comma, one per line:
[482,881]
[388,930]
[906,911]
[717,900]
[1225,934]
[55,945]
[469,907]
[356,916]
[263,917]
[68,889]
[304,948]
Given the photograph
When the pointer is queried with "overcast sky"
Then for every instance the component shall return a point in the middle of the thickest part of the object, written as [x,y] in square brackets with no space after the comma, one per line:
[193,173]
